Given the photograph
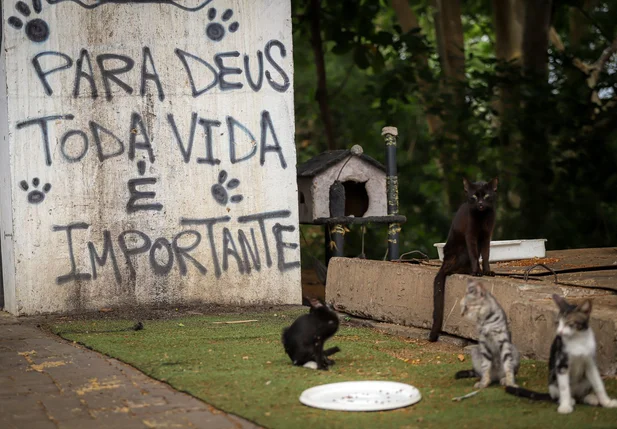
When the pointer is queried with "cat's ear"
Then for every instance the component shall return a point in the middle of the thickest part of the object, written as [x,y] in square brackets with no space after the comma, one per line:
[585,307]
[493,184]
[466,184]
[561,303]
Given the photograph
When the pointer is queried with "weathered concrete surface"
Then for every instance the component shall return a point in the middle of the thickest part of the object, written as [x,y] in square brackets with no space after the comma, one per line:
[147,154]
[48,383]
[403,293]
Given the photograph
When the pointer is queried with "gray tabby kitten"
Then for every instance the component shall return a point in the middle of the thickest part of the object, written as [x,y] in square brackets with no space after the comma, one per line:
[495,359]
[573,373]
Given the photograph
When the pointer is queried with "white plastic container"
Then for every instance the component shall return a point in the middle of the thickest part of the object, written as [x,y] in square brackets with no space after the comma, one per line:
[510,250]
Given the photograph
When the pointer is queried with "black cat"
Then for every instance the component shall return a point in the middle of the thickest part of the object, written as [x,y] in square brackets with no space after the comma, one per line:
[469,238]
[304,339]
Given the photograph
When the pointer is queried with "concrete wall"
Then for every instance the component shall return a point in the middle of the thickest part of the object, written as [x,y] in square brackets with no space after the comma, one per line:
[403,293]
[148,154]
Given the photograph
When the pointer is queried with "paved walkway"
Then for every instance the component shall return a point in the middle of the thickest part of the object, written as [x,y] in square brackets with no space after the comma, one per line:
[48,383]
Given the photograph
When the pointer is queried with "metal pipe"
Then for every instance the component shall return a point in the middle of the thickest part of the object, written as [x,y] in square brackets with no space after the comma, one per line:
[390,134]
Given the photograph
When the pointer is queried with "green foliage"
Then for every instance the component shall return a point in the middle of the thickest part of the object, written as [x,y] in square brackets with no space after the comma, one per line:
[553,149]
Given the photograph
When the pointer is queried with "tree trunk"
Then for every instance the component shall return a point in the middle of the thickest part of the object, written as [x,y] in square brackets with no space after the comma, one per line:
[535,37]
[321,95]
[455,152]
[535,172]
[408,21]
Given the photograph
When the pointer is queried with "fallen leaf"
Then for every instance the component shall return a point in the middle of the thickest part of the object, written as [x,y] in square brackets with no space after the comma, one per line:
[461,358]
[245,357]
[106,310]
[267,414]
[268,382]
[180,324]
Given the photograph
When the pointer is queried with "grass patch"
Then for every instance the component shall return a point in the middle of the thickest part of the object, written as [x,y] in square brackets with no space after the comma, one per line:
[242,369]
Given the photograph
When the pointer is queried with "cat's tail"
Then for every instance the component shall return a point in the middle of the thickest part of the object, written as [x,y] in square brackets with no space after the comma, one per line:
[439,297]
[331,351]
[466,373]
[529,394]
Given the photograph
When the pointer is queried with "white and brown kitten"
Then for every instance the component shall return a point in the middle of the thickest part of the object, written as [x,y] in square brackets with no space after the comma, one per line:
[495,359]
[573,372]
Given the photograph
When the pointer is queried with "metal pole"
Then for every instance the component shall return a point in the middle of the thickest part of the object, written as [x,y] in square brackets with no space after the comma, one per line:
[337,209]
[390,134]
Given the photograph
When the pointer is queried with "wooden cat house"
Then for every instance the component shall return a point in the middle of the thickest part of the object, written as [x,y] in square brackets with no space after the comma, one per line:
[362,177]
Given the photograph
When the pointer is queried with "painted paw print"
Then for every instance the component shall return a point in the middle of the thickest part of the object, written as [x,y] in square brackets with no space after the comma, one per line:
[35,196]
[37,30]
[220,194]
[215,30]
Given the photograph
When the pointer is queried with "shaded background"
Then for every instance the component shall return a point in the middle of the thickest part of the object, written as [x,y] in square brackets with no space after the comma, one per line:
[520,89]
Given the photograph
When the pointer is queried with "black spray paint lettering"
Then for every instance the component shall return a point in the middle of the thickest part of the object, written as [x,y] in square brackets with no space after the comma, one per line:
[130,251]
[163,253]
[111,75]
[278,230]
[232,124]
[224,85]
[139,128]
[109,145]
[209,224]
[260,74]
[220,70]
[153,76]
[42,123]
[187,150]
[181,4]
[80,74]
[43,74]
[286,83]
[73,275]
[184,252]
[115,71]
[136,195]
[101,260]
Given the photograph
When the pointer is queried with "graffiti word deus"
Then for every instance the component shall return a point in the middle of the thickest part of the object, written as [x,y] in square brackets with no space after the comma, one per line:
[246,249]
[225,71]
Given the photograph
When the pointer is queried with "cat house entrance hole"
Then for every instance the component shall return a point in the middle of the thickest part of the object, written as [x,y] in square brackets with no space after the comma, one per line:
[356,198]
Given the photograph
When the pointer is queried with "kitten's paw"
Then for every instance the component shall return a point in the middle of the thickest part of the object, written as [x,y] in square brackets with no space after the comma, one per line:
[592,400]
[489,273]
[477,274]
[480,385]
[311,365]
[565,408]
[505,381]
[611,403]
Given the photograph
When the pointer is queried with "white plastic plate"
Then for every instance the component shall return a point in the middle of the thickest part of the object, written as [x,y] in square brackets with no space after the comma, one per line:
[361,396]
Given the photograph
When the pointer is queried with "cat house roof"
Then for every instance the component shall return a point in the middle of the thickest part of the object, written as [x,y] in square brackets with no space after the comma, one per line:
[324,160]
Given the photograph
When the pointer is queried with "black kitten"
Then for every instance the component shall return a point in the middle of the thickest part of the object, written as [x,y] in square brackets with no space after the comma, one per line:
[305,338]
[469,238]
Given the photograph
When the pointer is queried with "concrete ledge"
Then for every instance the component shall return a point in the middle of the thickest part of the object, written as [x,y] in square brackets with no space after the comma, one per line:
[402,293]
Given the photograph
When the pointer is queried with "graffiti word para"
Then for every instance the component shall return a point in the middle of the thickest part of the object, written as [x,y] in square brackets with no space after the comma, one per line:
[74,143]
[235,248]
[115,71]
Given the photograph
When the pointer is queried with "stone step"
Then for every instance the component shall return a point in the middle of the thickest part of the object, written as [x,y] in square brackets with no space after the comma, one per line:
[402,293]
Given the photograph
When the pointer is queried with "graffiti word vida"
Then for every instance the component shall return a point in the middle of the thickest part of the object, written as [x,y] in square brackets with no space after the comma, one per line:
[246,249]
[226,71]
[240,140]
